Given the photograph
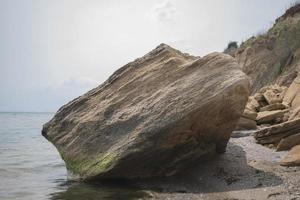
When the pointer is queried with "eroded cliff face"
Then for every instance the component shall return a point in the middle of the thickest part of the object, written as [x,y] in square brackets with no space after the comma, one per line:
[273,57]
[272,60]
[152,117]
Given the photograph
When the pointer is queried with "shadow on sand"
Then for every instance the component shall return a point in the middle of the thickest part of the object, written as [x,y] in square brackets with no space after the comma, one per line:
[226,172]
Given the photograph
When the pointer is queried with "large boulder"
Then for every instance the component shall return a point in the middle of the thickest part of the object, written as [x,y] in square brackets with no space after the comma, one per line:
[152,117]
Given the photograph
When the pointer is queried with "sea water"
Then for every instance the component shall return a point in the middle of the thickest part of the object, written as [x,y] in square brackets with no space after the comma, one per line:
[31,168]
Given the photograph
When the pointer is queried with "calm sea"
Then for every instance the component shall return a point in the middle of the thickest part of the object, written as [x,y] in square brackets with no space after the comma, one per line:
[31,168]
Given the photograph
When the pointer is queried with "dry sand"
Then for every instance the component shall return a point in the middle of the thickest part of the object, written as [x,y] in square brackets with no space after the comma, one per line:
[246,171]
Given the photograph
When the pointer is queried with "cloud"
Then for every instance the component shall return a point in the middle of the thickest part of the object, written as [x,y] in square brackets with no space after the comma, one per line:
[165,11]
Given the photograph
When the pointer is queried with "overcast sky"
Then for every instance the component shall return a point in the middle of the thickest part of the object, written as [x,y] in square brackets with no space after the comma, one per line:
[54,50]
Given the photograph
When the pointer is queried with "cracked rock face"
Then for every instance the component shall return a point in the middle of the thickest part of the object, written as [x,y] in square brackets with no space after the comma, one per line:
[152,117]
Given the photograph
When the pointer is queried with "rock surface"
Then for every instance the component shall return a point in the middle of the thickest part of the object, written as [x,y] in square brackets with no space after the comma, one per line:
[292,96]
[288,142]
[152,117]
[266,106]
[294,114]
[249,114]
[276,106]
[273,96]
[275,133]
[292,158]
[283,107]
[269,116]
[252,104]
[246,124]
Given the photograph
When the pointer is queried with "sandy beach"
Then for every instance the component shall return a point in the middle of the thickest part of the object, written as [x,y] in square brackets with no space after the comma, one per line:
[246,171]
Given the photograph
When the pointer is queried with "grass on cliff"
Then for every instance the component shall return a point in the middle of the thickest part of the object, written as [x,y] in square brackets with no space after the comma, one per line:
[287,30]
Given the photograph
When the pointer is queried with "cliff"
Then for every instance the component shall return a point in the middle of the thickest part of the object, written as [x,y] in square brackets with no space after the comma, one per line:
[273,57]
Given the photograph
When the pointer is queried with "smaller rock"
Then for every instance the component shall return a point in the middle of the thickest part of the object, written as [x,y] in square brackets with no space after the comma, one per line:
[289,126]
[292,158]
[288,142]
[269,116]
[276,106]
[252,104]
[259,97]
[294,114]
[296,101]
[275,133]
[273,96]
[249,114]
[278,120]
[292,96]
[246,124]
[260,100]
